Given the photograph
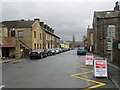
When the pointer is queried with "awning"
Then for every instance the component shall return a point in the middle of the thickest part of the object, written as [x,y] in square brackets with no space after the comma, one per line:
[8,45]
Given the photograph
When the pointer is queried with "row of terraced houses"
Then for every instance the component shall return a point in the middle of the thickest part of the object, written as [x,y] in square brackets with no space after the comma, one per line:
[20,36]
[99,39]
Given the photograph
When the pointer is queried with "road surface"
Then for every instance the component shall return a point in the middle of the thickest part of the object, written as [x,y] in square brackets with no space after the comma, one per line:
[64,70]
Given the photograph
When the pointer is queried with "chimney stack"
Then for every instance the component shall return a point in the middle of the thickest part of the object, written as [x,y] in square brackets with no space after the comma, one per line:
[45,26]
[36,19]
[42,24]
[48,28]
[53,31]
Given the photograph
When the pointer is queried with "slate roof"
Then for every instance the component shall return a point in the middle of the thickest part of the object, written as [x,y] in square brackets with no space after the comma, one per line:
[21,24]
[18,24]
[107,14]
[50,33]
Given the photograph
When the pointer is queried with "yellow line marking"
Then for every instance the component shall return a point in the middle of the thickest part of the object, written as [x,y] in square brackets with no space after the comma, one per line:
[80,63]
[81,73]
[85,69]
[89,71]
[78,66]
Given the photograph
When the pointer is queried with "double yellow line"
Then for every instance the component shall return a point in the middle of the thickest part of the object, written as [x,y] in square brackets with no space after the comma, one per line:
[89,71]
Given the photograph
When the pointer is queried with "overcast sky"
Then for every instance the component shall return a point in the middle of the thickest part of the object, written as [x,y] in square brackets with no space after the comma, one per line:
[66,18]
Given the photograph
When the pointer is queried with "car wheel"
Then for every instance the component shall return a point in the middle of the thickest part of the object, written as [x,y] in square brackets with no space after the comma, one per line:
[31,57]
[41,56]
[48,54]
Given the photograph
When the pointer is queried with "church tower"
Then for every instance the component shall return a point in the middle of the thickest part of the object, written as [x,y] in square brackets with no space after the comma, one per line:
[73,42]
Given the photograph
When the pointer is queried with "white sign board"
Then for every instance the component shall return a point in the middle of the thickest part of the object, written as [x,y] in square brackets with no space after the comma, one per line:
[100,68]
[89,59]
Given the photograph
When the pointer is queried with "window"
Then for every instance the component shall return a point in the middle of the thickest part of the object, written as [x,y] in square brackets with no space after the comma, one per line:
[20,34]
[34,45]
[40,36]
[37,46]
[12,33]
[111,31]
[109,46]
[34,34]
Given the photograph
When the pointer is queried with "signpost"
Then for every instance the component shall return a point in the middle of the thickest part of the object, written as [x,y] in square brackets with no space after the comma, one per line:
[100,68]
[89,59]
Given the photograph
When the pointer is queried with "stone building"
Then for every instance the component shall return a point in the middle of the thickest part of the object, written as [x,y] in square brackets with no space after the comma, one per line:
[50,40]
[90,39]
[64,44]
[0,40]
[21,36]
[101,22]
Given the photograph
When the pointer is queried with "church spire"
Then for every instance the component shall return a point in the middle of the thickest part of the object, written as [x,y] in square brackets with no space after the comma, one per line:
[73,42]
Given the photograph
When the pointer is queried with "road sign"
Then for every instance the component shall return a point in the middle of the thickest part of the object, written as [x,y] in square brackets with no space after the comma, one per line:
[89,59]
[100,68]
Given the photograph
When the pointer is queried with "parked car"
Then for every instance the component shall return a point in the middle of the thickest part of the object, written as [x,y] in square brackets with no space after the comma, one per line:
[81,51]
[60,50]
[39,53]
[53,51]
[57,51]
[48,51]
[63,49]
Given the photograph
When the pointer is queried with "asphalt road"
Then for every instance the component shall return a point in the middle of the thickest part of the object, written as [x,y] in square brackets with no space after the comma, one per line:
[64,70]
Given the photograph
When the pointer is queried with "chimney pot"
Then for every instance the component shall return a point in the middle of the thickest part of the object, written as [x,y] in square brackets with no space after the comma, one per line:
[42,24]
[36,19]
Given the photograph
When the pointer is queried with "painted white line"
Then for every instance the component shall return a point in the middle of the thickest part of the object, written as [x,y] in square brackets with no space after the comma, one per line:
[2,86]
[115,83]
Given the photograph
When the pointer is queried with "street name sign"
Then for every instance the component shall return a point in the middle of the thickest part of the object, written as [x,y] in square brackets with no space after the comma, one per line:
[89,59]
[100,68]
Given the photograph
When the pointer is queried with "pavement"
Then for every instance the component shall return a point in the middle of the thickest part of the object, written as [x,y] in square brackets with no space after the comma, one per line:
[113,70]
[12,60]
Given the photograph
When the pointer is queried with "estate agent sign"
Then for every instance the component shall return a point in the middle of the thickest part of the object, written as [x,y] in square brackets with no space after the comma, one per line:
[89,59]
[100,68]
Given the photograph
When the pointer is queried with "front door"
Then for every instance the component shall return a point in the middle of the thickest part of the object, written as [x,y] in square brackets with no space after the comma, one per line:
[5,52]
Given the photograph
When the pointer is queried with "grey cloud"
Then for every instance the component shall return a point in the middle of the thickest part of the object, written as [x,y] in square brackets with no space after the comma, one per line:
[66,18]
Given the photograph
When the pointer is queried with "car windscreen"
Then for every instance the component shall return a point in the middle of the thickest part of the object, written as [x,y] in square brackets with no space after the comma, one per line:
[81,48]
